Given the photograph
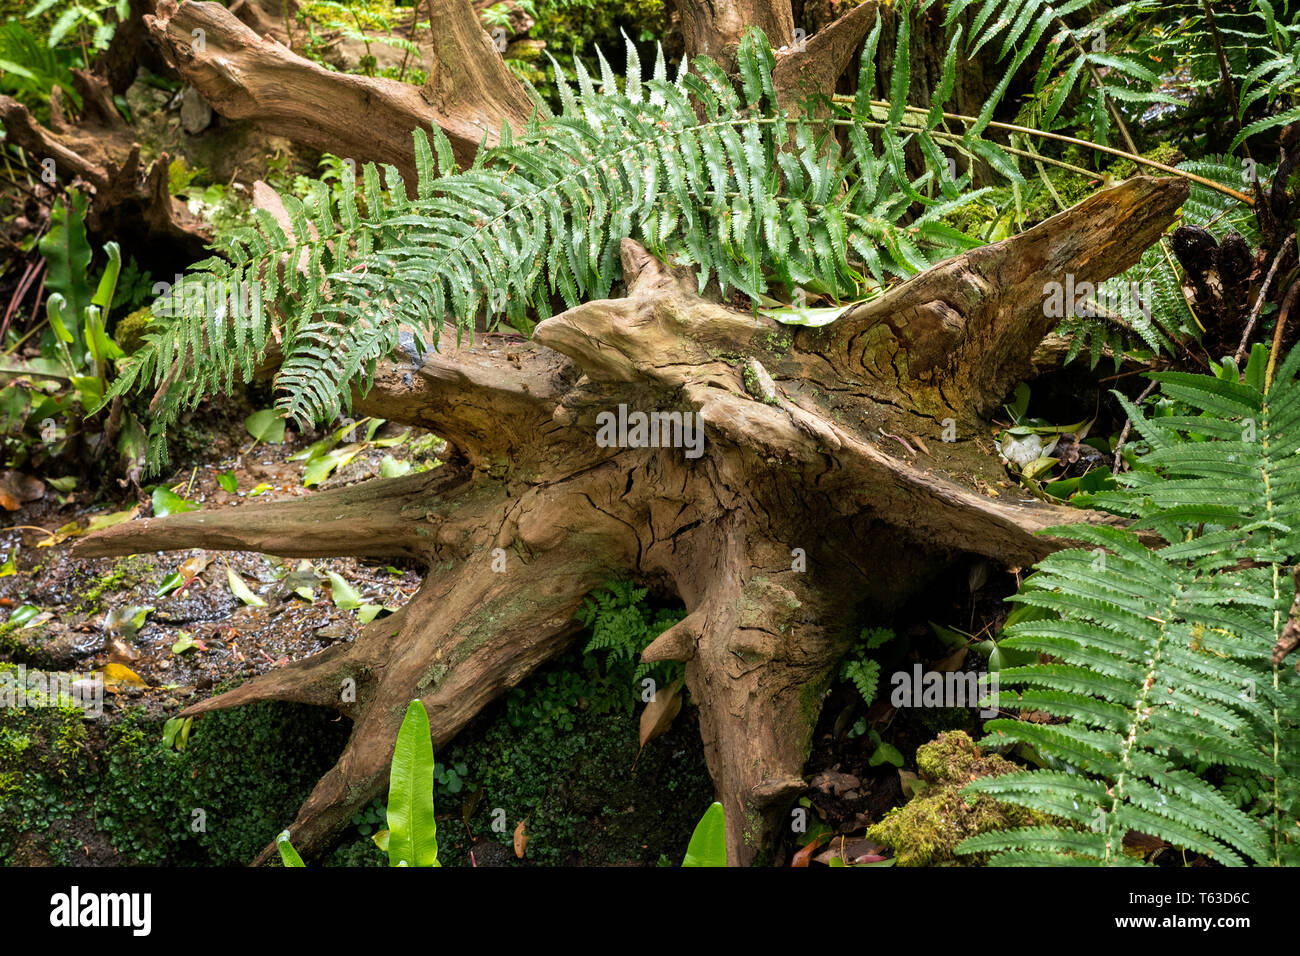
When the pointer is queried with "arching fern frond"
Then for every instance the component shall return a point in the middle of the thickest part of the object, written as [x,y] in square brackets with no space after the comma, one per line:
[705,173]
[1083,57]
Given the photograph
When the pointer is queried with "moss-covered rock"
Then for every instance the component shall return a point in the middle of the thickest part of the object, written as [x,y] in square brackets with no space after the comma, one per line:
[926,830]
[131,329]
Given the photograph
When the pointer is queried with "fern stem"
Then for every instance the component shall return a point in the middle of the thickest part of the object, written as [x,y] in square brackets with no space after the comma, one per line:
[954,138]
[1278,621]
[1130,740]
[1128,425]
[1061,138]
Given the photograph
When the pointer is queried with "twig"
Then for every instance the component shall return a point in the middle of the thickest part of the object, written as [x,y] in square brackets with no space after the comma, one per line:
[1259,301]
[1123,434]
[1101,88]
[1277,333]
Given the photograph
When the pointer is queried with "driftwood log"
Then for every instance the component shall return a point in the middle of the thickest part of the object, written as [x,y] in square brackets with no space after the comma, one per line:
[812,499]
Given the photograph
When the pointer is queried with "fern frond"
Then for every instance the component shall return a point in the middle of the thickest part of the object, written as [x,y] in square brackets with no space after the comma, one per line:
[705,173]
[1161,655]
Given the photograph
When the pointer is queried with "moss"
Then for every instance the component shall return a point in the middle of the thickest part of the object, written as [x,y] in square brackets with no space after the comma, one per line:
[561,751]
[1160,153]
[777,341]
[44,758]
[125,574]
[927,829]
[9,642]
[246,770]
[811,696]
[131,329]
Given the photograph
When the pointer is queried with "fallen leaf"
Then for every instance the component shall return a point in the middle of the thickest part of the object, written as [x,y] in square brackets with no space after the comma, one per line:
[802,857]
[345,596]
[241,590]
[167,502]
[851,851]
[910,783]
[186,642]
[116,675]
[69,530]
[100,522]
[266,425]
[835,783]
[126,621]
[121,652]
[659,713]
[17,488]
[952,662]
[521,839]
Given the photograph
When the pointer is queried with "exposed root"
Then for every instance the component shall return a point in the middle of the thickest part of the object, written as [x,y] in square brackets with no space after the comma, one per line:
[390,518]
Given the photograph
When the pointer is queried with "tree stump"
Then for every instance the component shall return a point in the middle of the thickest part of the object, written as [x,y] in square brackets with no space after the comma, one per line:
[838,465]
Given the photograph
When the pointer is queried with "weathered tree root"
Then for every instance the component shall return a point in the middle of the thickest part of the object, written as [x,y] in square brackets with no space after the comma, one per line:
[825,484]
[469,94]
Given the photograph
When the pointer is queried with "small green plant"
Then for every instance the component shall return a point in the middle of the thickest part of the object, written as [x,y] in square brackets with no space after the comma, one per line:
[412,828]
[46,399]
[861,670]
[708,846]
[90,25]
[622,623]
[29,70]
[360,20]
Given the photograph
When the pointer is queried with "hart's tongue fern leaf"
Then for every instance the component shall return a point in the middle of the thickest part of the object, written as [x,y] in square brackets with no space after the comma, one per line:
[703,173]
[1160,656]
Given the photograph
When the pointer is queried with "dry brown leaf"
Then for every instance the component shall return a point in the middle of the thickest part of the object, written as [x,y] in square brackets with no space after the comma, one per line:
[521,839]
[851,851]
[120,652]
[952,662]
[907,780]
[801,858]
[659,713]
[17,489]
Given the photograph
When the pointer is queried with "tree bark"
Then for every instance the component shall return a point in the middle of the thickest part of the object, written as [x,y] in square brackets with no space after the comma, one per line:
[811,485]
[470,92]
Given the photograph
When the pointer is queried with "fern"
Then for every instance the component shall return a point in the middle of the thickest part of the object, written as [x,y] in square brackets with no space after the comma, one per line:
[1161,655]
[859,669]
[622,624]
[1081,57]
[704,174]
